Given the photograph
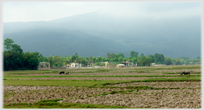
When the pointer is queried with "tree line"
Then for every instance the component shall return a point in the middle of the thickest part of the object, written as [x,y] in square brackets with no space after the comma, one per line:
[114,59]
[16,59]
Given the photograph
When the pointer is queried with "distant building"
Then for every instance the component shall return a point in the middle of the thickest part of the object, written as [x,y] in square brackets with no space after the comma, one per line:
[44,65]
[73,65]
[120,65]
[128,63]
[154,64]
[106,64]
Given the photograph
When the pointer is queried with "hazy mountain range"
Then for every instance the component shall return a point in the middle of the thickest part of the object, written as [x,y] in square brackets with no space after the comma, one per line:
[93,34]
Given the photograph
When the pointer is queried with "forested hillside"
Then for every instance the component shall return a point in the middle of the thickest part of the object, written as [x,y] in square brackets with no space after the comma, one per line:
[92,34]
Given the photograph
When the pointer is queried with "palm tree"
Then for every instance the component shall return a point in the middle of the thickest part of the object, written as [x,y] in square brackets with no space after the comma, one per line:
[93,59]
[99,58]
[66,59]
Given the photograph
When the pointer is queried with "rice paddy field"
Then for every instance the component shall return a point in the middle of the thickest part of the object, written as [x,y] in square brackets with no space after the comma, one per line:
[128,87]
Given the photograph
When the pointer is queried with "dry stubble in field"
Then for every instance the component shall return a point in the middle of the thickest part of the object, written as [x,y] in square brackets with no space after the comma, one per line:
[32,94]
[185,98]
[171,94]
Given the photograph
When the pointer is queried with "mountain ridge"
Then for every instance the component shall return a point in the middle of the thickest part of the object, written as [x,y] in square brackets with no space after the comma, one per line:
[100,35]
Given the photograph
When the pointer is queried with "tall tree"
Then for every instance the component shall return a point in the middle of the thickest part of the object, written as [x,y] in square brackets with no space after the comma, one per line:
[167,61]
[57,60]
[50,60]
[120,59]
[66,60]
[15,59]
[99,59]
[42,58]
[7,43]
[120,55]
[144,61]
[93,59]
[142,54]
[16,48]
[158,58]
[133,54]
[31,60]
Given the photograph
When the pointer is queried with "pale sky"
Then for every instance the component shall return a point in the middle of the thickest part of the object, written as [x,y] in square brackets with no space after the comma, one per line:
[22,11]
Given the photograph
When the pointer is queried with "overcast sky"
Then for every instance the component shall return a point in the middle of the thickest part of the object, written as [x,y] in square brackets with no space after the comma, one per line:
[45,11]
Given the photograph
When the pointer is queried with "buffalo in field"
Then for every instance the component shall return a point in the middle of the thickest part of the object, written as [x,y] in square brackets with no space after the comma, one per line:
[67,73]
[61,72]
[185,72]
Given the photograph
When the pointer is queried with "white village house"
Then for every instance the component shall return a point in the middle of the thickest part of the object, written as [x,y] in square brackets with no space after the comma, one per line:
[73,65]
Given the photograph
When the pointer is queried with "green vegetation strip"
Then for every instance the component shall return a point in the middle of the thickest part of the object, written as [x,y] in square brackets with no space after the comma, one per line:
[13,77]
[77,83]
[9,94]
[88,83]
[55,104]
[180,73]
[30,72]
[25,72]
[96,70]
[175,67]
[146,69]
[13,93]
[159,80]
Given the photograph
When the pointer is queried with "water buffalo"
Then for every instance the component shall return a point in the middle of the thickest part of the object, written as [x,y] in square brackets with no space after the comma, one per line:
[185,72]
[67,73]
[61,72]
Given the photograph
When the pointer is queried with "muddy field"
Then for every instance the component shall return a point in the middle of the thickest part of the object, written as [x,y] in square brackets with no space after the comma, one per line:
[138,87]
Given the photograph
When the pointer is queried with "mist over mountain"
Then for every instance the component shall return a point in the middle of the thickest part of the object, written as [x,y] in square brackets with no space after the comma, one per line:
[95,34]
